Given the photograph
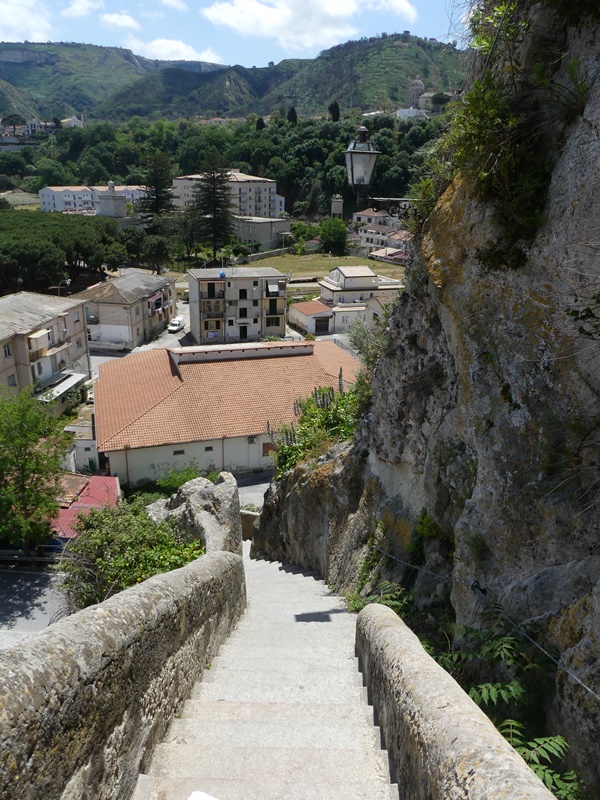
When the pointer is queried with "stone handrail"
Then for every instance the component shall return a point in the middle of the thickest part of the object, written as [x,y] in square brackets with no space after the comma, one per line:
[441,745]
[83,704]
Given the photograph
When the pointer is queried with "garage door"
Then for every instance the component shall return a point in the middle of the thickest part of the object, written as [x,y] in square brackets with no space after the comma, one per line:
[322,325]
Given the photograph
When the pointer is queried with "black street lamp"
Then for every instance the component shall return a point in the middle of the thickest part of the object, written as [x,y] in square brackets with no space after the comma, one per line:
[361,157]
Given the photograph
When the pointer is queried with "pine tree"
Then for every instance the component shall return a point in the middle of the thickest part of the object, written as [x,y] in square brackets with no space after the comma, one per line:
[213,205]
[158,183]
[292,117]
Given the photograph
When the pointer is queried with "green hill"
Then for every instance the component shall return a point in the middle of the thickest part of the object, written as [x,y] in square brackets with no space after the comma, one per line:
[58,79]
[63,78]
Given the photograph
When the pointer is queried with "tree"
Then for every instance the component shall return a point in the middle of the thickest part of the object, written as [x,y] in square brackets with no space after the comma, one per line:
[158,183]
[32,445]
[260,124]
[212,206]
[12,120]
[155,251]
[292,117]
[333,235]
[334,110]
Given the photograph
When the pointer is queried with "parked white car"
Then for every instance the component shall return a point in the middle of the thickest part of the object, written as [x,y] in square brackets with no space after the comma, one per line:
[176,324]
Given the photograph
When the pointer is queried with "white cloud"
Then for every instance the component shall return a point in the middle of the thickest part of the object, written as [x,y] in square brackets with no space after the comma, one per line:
[301,24]
[295,24]
[120,21]
[177,4]
[81,8]
[171,50]
[24,20]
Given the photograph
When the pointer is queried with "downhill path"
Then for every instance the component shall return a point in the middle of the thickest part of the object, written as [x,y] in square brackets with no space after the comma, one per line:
[282,713]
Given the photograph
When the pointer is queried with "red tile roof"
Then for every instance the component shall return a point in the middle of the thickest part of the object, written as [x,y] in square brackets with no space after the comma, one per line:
[309,307]
[95,492]
[144,400]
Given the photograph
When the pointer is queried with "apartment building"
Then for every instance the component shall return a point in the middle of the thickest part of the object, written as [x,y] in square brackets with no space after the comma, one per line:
[82,198]
[43,342]
[236,305]
[251,196]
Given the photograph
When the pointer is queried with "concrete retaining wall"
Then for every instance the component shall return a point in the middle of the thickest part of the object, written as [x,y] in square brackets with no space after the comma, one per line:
[441,745]
[83,704]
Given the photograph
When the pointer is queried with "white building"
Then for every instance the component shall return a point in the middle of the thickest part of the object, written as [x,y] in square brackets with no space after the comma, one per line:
[344,294]
[81,198]
[251,196]
[236,304]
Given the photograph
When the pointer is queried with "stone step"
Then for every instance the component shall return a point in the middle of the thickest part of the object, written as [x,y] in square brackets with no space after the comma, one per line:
[288,713]
[273,675]
[224,789]
[257,764]
[249,733]
[261,655]
[284,692]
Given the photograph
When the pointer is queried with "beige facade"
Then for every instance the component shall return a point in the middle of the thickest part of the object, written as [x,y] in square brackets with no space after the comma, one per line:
[236,304]
[43,343]
[128,311]
[269,233]
[251,196]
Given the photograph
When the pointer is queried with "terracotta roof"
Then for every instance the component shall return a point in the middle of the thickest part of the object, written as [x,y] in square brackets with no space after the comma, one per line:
[141,401]
[309,307]
[94,492]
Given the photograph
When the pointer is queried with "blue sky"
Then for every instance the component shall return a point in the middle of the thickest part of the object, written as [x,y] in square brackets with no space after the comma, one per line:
[247,32]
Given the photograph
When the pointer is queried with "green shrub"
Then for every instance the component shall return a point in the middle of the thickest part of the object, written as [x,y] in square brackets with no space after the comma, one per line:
[118,547]
[175,478]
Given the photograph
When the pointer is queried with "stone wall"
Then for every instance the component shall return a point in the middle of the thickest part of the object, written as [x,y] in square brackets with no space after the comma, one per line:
[84,703]
[441,745]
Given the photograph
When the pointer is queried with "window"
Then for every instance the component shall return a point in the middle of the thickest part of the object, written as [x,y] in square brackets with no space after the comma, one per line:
[39,367]
[243,312]
[229,284]
[79,344]
[178,452]
[272,322]
[137,311]
[208,449]
[230,322]
[212,325]
[87,449]
[255,303]
[267,448]
[7,351]
[254,283]
[255,320]
[11,380]
[243,294]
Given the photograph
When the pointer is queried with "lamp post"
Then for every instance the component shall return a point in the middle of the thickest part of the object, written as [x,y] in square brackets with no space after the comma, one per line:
[361,157]
[67,282]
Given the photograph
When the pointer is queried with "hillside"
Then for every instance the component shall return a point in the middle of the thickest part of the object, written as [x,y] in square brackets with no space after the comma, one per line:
[57,79]
[371,74]
[63,78]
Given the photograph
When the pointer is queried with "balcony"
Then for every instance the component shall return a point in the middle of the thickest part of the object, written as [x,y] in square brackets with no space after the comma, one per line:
[212,309]
[274,306]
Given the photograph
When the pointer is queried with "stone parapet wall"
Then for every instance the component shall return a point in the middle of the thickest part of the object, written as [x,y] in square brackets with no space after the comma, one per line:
[83,704]
[441,745]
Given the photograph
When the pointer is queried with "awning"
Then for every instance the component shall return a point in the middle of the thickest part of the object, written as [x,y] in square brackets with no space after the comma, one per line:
[72,379]
[272,286]
[59,348]
[43,334]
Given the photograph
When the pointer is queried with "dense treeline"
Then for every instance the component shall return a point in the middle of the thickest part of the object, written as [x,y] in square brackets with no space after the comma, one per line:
[306,159]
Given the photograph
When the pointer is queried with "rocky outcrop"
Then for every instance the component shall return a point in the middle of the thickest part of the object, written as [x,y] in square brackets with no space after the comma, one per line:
[486,403]
[206,511]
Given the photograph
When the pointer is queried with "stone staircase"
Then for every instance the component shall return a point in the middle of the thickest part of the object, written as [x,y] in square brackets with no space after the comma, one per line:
[282,713]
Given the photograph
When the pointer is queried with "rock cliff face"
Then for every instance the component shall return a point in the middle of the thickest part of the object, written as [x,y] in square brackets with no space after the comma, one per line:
[486,409]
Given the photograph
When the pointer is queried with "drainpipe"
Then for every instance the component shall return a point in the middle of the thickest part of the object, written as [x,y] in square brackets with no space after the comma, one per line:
[127,464]
[223,452]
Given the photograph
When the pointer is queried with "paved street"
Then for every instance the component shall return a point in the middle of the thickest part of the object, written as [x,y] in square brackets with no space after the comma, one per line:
[29,601]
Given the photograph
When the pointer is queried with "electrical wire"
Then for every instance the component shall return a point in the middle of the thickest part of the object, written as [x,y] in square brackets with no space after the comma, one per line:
[484,600]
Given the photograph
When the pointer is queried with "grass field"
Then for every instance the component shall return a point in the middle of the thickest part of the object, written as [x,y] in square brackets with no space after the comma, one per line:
[318,265]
